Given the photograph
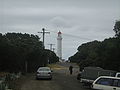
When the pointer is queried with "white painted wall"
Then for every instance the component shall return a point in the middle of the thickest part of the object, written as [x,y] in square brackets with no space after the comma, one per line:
[59,45]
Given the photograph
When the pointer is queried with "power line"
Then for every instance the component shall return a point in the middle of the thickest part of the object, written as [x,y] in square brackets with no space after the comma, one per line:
[70,35]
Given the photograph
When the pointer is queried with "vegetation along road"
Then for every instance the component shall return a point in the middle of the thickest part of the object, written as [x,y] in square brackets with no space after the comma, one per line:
[62,80]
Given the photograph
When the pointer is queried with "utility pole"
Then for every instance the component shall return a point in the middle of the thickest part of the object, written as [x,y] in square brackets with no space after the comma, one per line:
[53,49]
[43,32]
[50,52]
[51,46]
[26,66]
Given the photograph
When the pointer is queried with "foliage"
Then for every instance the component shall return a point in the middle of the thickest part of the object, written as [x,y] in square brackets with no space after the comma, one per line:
[17,48]
[105,54]
[102,54]
[117,28]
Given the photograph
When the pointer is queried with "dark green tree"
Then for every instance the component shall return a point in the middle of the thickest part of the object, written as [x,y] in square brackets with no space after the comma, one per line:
[17,50]
[117,28]
[103,54]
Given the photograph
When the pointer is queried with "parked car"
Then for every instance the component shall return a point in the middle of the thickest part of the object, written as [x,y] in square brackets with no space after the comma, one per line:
[106,83]
[89,74]
[79,76]
[44,73]
[117,74]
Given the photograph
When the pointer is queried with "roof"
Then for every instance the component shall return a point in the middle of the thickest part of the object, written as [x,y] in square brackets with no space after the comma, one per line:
[44,67]
[109,77]
[59,32]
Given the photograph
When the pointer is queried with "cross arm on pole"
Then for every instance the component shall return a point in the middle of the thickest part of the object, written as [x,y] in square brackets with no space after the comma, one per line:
[43,32]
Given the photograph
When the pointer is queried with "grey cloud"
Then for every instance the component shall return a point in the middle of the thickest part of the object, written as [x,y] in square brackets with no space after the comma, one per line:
[60,22]
[92,19]
[47,3]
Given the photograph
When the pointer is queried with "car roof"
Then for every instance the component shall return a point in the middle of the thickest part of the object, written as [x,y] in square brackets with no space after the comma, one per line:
[118,73]
[109,77]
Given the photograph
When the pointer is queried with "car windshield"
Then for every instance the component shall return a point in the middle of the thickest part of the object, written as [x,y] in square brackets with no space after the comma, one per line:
[118,75]
[44,69]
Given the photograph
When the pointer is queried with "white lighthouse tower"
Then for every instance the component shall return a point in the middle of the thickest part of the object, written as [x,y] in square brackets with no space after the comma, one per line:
[59,45]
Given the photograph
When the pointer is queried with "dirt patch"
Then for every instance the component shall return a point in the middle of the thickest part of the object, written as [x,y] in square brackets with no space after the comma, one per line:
[56,66]
[19,82]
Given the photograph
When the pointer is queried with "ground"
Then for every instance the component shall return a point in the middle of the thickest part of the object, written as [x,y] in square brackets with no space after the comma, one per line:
[62,80]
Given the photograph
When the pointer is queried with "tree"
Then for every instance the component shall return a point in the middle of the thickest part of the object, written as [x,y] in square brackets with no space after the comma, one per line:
[103,54]
[18,50]
[117,28]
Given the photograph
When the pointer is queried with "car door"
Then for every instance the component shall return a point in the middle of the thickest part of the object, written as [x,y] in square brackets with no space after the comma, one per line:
[116,84]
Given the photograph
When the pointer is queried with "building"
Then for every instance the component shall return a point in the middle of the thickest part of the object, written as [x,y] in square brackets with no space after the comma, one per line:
[59,45]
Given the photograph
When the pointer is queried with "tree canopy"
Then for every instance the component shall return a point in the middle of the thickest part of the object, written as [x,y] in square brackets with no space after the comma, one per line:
[18,48]
[117,28]
[105,54]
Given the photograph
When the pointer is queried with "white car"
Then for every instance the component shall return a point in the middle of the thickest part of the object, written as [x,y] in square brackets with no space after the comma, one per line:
[106,83]
[44,73]
[117,74]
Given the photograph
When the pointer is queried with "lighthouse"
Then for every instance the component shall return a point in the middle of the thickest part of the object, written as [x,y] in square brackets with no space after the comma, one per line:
[59,45]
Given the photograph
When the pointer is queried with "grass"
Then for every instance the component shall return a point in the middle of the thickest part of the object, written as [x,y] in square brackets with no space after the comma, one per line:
[55,66]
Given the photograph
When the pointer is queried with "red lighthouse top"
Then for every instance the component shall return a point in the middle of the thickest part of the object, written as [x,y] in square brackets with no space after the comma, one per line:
[59,32]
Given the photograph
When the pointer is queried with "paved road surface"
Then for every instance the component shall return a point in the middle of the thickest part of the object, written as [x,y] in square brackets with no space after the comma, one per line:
[62,80]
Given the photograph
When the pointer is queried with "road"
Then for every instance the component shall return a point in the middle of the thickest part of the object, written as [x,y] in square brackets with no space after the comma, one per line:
[62,80]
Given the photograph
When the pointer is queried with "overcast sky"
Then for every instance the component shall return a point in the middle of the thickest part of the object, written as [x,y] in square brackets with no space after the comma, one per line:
[80,21]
